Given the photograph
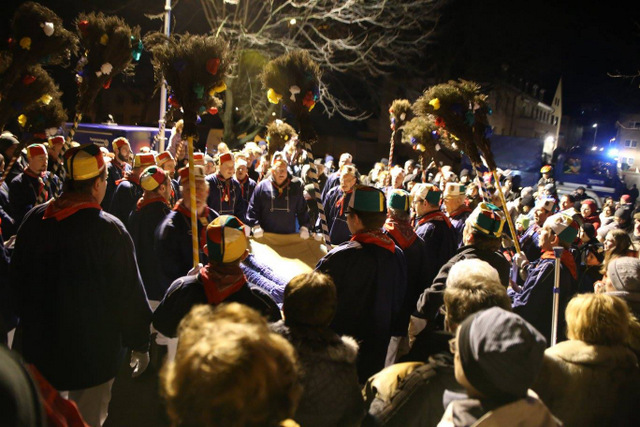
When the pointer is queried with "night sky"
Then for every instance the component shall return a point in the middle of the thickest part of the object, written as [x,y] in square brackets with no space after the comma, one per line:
[536,40]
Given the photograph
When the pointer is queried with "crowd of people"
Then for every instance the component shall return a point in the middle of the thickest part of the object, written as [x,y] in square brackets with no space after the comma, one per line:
[422,312]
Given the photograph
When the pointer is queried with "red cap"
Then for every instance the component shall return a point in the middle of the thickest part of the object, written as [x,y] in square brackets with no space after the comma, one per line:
[56,140]
[226,157]
[163,158]
[198,172]
[36,150]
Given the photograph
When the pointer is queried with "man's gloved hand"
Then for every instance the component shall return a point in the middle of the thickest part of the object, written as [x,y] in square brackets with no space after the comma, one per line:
[304,233]
[318,236]
[521,260]
[139,363]
[195,270]
[258,232]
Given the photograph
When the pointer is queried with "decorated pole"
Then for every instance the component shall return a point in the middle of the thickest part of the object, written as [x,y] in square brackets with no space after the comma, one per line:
[193,68]
[398,116]
[461,108]
[293,79]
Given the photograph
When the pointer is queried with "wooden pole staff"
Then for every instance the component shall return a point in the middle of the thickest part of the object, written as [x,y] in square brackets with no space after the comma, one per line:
[192,198]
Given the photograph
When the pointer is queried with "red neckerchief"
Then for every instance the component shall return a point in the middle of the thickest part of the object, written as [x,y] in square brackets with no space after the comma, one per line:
[142,202]
[131,177]
[120,166]
[246,178]
[375,237]
[219,286]
[434,216]
[282,187]
[68,204]
[566,259]
[462,209]
[402,232]
[226,190]
[340,202]
[40,179]
[180,207]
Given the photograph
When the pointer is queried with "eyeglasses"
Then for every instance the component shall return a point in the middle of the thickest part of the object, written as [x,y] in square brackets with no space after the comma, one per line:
[453,345]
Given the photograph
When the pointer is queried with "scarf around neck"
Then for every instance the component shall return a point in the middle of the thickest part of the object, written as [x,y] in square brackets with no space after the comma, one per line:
[68,204]
[566,259]
[218,286]
[402,232]
[375,237]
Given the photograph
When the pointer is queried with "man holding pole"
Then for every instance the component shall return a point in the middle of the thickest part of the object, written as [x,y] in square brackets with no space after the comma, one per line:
[173,237]
[534,299]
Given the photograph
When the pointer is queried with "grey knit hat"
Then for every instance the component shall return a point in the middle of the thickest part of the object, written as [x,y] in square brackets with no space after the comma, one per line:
[624,274]
[500,353]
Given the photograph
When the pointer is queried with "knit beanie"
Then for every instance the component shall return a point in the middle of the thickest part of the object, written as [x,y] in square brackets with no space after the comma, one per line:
[624,274]
[500,353]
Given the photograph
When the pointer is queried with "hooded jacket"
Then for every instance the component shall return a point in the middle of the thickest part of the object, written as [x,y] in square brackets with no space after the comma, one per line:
[331,393]
[590,385]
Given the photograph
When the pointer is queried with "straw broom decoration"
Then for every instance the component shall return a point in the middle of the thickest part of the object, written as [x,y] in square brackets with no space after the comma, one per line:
[278,134]
[293,79]
[399,114]
[461,109]
[38,37]
[33,87]
[194,68]
[426,138]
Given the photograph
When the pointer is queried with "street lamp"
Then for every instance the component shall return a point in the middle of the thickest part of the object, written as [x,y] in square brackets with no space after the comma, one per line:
[595,126]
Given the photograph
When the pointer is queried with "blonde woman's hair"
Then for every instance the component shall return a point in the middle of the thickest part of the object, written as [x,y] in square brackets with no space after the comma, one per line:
[230,370]
[598,319]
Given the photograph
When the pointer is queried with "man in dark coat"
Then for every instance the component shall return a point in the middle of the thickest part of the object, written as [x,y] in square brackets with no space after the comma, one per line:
[128,190]
[166,161]
[457,210]
[398,227]
[481,240]
[225,195]
[221,280]
[247,184]
[334,179]
[28,188]
[533,300]
[278,205]
[173,235]
[117,168]
[8,146]
[150,211]
[529,242]
[77,290]
[335,205]
[369,272]
[433,226]
[8,225]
